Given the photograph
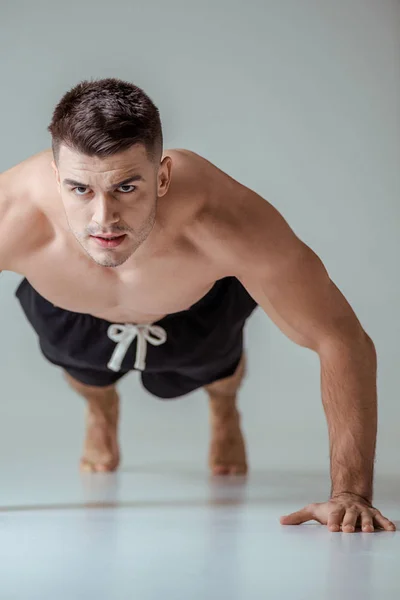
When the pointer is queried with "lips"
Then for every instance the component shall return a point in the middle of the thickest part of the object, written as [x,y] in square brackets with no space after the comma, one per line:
[109,241]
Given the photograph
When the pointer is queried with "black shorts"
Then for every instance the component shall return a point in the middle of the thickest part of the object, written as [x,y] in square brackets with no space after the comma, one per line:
[176,355]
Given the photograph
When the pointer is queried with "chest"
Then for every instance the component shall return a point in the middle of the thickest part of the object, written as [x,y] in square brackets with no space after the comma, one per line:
[161,285]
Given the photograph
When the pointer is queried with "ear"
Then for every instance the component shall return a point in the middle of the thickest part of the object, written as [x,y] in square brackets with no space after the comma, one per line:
[57,174]
[164,176]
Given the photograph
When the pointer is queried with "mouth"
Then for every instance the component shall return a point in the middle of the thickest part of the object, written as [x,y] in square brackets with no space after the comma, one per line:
[109,241]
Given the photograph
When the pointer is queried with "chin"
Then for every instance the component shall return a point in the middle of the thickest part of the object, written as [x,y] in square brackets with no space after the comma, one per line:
[107,259]
[110,260]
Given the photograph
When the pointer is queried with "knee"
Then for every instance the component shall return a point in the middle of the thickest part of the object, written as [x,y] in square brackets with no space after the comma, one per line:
[87,390]
[229,385]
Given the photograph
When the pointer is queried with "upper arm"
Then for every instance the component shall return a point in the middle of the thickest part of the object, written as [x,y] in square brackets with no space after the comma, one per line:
[16,230]
[6,233]
[288,280]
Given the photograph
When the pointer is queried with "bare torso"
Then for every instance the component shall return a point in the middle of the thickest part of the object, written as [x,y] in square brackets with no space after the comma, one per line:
[173,269]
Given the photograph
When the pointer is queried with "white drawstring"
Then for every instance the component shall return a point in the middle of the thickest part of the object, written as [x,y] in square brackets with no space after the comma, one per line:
[123,336]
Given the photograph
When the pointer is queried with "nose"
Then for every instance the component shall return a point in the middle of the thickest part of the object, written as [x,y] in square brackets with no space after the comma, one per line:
[105,211]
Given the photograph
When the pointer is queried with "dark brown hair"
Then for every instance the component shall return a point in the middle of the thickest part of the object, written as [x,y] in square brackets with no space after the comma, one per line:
[106,116]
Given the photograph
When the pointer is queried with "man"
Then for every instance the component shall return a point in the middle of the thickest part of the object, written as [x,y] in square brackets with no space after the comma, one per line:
[138,259]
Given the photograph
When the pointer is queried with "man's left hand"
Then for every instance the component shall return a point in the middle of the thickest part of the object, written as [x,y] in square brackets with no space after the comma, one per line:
[345,512]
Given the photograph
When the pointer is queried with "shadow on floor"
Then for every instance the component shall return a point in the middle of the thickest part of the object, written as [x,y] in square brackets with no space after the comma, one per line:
[260,489]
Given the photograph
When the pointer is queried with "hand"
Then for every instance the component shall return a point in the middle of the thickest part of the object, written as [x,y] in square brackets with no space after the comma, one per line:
[345,512]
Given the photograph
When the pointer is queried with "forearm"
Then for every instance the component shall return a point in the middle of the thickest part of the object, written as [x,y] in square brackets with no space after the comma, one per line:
[349,394]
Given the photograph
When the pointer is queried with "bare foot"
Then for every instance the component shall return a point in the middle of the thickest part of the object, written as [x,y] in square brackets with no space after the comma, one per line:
[101,451]
[227,450]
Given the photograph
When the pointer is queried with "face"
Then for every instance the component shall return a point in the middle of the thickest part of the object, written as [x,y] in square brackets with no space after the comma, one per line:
[110,203]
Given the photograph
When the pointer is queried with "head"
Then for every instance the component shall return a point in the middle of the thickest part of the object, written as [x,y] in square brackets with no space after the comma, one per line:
[107,147]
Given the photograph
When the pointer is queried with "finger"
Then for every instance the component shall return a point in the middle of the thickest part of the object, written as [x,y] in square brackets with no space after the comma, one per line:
[367,522]
[335,518]
[384,523]
[299,517]
[350,520]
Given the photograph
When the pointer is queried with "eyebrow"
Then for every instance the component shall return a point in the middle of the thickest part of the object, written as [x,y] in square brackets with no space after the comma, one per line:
[74,183]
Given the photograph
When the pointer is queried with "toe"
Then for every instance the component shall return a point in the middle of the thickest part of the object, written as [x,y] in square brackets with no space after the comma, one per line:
[86,466]
[238,470]
[220,470]
[90,467]
[108,468]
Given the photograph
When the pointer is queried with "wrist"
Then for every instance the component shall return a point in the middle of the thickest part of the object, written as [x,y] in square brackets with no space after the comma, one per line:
[366,498]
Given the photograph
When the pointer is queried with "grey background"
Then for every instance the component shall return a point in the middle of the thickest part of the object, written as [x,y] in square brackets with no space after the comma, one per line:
[298,99]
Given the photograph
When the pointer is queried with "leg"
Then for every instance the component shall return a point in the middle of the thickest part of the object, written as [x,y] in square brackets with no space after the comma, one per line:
[227,451]
[101,452]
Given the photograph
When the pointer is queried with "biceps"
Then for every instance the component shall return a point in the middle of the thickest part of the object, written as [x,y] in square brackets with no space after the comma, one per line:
[301,299]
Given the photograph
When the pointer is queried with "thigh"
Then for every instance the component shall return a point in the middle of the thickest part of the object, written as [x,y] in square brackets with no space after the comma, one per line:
[90,378]
[78,343]
[204,345]
[180,382]
[228,386]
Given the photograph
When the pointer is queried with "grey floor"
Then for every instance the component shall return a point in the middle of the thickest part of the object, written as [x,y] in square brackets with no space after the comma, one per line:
[153,533]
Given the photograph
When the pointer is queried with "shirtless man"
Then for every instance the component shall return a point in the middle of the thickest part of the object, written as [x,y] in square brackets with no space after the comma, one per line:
[135,258]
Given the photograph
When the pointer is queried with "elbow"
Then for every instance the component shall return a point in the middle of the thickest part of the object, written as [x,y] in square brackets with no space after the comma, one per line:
[353,354]
[370,348]
[353,339]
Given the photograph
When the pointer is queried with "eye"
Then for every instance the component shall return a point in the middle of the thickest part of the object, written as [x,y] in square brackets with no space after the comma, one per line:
[126,189]
[80,191]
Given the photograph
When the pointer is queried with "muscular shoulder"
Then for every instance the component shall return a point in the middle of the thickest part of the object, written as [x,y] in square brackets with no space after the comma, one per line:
[23,225]
[233,224]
